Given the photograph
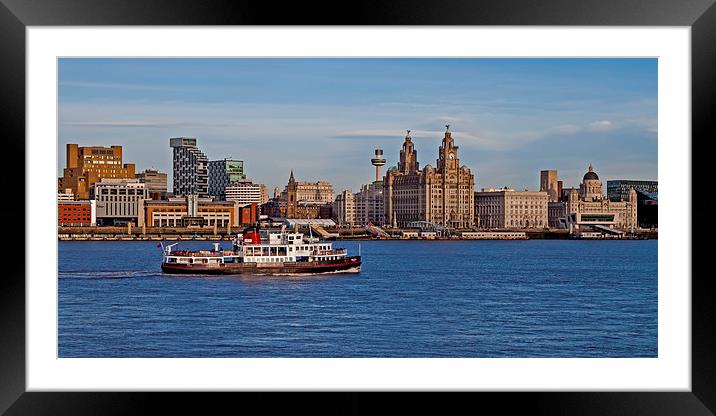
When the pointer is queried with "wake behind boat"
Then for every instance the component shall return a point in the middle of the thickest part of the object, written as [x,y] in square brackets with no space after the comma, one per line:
[278,253]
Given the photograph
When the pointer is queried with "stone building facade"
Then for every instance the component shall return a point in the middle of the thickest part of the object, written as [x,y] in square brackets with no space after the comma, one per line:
[590,200]
[507,208]
[549,182]
[306,199]
[344,208]
[442,195]
[369,204]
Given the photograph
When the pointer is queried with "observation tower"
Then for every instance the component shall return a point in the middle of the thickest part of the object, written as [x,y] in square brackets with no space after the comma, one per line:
[378,161]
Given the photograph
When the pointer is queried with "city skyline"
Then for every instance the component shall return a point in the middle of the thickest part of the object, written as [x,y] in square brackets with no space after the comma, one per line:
[323,118]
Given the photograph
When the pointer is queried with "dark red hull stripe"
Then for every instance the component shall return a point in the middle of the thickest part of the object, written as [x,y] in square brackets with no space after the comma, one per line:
[200,269]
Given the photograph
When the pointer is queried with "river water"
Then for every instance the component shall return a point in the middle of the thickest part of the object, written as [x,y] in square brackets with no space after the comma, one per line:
[536,298]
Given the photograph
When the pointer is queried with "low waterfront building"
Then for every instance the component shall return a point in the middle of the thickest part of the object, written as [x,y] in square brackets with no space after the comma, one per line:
[76,213]
[507,208]
[618,189]
[344,208]
[119,201]
[87,165]
[192,211]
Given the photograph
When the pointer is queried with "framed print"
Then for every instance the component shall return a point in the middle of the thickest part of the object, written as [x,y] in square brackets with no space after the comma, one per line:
[217,226]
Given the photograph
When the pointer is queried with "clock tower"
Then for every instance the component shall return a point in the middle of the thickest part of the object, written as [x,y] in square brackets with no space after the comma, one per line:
[447,154]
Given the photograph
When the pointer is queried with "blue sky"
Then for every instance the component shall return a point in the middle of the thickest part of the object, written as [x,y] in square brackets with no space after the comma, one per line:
[323,117]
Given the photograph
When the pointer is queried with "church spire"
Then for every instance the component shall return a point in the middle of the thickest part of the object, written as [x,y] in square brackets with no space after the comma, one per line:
[290,179]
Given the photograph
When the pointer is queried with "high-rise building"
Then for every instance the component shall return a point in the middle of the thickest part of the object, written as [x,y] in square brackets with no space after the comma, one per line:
[549,183]
[155,181]
[87,165]
[344,208]
[443,195]
[222,173]
[369,204]
[369,200]
[507,208]
[190,170]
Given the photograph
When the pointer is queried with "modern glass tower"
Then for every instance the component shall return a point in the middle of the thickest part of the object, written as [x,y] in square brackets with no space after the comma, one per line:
[222,173]
[189,168]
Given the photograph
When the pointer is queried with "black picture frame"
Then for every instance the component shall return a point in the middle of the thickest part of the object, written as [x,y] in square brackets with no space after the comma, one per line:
[15,15]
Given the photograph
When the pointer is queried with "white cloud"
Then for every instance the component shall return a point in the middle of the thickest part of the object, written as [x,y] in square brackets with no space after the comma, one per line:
[601,125]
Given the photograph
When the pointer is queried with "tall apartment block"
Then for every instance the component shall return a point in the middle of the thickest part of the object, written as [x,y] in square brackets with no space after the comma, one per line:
[88,165]
[549,183]
[190,168]
[222,173]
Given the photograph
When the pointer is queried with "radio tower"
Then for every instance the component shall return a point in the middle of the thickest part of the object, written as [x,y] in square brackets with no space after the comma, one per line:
[378,161]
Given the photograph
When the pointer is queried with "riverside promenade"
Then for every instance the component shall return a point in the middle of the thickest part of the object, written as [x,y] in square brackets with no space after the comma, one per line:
[228,234]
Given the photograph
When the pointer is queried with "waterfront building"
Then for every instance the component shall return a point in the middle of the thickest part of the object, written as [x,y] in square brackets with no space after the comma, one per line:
[305,199]
[119,201]
[618,190]
[87,165]
[549,183]
[443,195]
[192,211]
[65,195]
[189,168]
[245,192]
[344,208]
[588,206]
[155,181]
[222,173]
[369,204]
[507,208]
[77,213]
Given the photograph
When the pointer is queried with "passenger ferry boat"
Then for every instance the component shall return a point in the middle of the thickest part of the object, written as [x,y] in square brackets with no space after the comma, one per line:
[279,253]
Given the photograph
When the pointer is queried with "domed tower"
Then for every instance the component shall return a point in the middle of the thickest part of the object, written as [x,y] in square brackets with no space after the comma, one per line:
[591,187]
[408,156]
[378,161]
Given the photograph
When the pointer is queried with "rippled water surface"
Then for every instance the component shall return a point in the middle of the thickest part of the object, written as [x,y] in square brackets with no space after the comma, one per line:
[537,298]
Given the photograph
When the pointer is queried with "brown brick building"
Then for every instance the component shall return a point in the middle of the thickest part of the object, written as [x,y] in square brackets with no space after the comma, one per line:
[75,213]
[87,165]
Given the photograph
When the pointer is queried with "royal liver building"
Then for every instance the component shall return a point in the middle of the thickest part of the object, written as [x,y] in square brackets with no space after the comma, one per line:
[442,195]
